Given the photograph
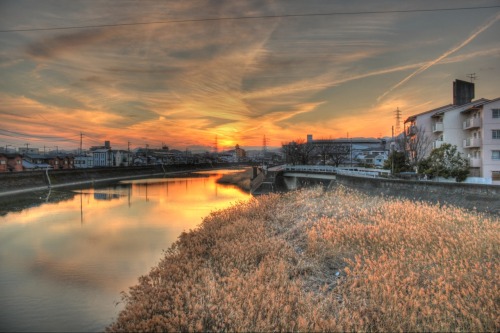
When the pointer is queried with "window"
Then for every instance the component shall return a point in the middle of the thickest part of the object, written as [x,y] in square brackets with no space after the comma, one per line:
[2,162]
[495,154]
[495,134]
[495,113]
[495,175]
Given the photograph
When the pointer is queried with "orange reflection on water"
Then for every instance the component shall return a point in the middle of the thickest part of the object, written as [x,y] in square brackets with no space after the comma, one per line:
[97,242]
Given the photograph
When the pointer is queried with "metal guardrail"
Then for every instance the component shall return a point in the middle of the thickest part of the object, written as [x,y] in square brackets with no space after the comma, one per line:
[312,168]
[364,172]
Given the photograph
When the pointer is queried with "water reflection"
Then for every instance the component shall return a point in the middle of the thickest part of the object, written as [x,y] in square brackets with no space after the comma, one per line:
[65,262]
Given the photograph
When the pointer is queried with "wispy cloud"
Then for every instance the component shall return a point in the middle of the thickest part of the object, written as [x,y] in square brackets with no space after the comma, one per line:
[431,63]
[70,42]
[184,83]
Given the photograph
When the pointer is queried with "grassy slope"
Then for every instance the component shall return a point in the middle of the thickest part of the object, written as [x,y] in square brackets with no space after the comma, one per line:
[314,261]
[240,179]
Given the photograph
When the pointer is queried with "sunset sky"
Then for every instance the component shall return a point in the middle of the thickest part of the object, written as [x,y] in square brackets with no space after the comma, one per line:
[184,72]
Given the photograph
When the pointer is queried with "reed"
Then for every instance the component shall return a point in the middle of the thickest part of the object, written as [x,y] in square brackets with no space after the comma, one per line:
[316,261]
[240,179]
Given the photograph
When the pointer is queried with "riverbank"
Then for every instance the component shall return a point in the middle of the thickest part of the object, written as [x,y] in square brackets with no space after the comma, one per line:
[239,179]
[13,183]
[312,260]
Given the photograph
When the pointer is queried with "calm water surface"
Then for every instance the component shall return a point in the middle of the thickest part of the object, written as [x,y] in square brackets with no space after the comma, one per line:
[63,264]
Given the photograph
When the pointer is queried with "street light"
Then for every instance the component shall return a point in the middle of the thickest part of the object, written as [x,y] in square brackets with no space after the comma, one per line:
[6,148]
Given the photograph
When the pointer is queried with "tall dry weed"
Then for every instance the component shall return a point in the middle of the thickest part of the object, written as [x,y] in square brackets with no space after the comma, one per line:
[313,261]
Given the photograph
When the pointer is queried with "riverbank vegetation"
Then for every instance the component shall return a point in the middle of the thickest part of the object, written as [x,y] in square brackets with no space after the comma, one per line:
[240,179]
[313,261]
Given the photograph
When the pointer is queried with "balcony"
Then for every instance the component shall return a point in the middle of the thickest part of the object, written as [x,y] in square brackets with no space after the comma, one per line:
[436,144]
[472,143]
[472,123]
[437,127]
[474,162]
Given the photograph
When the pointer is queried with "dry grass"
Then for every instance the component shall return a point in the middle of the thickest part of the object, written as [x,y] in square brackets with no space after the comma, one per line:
[240,179]
[315,261]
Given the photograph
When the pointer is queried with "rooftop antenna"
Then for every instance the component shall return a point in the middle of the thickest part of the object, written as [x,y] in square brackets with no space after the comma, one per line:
[398,120]
[472,77]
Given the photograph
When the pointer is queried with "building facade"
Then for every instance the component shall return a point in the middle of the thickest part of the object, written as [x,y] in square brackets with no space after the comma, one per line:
[473,127]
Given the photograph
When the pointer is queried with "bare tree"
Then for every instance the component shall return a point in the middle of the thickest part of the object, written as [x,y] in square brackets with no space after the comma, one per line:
[291,152]
[339,153]
[298,151]
[417,145]
[305,150]
[323,150]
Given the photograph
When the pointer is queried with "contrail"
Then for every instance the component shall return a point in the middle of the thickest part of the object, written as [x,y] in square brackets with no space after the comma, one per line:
[444,55]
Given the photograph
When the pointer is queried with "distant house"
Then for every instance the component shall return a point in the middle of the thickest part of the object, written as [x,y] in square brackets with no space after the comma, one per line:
[11,162]
[102,157]
[375,159]
[67,162]
[122,158]
[36,162]
[241,154]
[84,161]
[61,162]
[3,163]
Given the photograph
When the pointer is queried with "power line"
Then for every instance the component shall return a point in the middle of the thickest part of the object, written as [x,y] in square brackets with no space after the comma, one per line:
[26,136]
[251,18]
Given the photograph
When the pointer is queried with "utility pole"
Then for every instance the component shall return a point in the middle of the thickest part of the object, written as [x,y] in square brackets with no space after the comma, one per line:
[81,142]
[398,120]
[350,149]
[216,145]
[264,149]
[128,156]
[392,152]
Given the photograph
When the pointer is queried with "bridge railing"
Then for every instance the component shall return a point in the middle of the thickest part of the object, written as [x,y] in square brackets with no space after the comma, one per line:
[312,168]
[350,171]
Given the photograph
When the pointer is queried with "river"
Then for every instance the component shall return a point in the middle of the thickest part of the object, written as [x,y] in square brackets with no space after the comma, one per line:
[66,256]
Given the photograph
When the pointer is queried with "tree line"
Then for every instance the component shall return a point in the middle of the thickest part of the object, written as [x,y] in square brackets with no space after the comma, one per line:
[304,152]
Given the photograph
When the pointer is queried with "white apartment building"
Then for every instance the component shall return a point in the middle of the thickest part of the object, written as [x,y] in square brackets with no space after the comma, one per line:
[473,127]
[481,124]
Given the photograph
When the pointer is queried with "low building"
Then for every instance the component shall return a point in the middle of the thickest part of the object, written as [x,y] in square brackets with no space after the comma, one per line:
[84,161]
[376,159]
[102,157]
[122,158]
[33,162]
[3,163]
[11,162]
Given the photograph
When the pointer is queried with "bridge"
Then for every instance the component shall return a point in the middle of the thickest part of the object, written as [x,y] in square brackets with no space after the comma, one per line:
[288,177]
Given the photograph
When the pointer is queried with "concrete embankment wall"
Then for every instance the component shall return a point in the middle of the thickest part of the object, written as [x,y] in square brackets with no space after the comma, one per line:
[484,198]
[16,181]
[25,180]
